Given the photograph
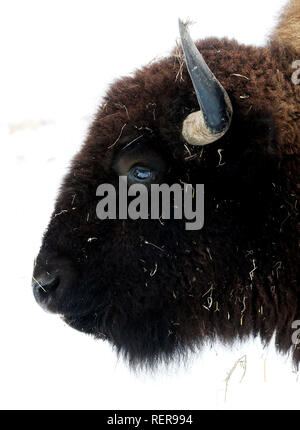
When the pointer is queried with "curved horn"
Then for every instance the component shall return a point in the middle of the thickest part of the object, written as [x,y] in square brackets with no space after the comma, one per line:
[213,120]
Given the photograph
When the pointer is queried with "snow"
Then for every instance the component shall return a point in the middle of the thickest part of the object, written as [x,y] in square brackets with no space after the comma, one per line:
[57,60]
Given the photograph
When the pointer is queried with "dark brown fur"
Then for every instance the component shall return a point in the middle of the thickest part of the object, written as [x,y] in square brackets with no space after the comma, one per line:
[239,274]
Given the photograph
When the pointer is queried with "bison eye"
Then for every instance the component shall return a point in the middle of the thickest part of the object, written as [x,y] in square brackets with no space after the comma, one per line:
[141,174]
[141,164]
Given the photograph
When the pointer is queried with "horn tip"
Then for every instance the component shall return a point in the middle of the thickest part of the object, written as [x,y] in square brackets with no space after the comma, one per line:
[182,26]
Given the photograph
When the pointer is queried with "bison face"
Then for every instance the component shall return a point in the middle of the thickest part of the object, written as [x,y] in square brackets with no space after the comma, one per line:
[151,287]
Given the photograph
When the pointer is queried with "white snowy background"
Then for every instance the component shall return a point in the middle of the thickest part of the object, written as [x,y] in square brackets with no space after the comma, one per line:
[57,59]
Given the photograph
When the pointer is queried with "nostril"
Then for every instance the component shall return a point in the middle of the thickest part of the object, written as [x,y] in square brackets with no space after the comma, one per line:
[52,280]
[45,284]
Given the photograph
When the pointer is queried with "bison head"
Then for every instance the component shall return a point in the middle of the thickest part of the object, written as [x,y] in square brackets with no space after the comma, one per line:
[149,286]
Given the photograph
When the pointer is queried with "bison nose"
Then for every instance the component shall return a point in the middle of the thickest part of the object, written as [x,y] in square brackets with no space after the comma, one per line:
[52,280]
[43,285]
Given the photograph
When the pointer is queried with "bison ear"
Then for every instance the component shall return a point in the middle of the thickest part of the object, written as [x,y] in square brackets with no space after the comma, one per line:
[261,159]
[213,119]
[260,128]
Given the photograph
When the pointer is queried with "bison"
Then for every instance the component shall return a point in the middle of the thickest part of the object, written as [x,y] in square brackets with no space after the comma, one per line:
[229,119]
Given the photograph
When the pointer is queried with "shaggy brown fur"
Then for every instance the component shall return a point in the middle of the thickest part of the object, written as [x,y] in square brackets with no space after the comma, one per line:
[288,28]
[154,289]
